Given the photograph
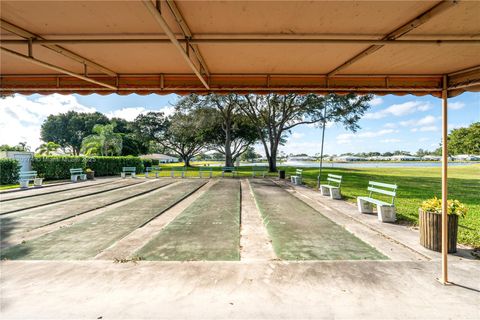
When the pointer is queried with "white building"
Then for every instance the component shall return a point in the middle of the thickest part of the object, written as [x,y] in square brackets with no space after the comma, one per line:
[349,158]
[162,158]
[24,158]
[402,157]
[431,158]
[466,157]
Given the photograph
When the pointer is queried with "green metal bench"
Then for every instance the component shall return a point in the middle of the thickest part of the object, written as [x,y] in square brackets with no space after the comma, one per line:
[332,188]
[385,210]
[208,170]
[25,177]
[182,171]
[131,170]
[231,170]
[76,173]
[260,171]
[152,169]
[297,178]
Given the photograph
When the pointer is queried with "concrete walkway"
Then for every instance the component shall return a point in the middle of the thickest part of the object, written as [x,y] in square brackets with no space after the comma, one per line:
[237,290]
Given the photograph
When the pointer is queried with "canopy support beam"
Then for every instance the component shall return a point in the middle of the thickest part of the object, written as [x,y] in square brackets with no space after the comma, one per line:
[395,34]
[55,68]
[163,24]
[187,34]
[67,53]
[444,277]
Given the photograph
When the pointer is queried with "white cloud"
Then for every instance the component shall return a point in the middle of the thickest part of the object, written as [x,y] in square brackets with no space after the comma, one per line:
[297,136]
[399,110]
[425,129]
[456,105]
[376,101]
[345,138]
[390,125]
[130,113]
[21,118]
[425,121]
[424,139]
[390,140]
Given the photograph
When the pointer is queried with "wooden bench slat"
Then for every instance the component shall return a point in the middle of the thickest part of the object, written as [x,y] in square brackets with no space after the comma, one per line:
[389,193]
[334,180]
[372,200]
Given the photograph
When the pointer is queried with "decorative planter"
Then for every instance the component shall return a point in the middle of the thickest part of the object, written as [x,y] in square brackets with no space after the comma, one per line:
[37,182]
[90,175]
[431,231]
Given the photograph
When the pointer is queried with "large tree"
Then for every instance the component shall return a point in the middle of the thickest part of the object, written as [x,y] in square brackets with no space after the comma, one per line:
[275,115]
[69,129]
[183,133]
[233,131]
[465,140]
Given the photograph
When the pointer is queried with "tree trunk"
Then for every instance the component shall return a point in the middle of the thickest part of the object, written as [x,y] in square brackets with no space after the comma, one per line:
[186,161]
[228,144]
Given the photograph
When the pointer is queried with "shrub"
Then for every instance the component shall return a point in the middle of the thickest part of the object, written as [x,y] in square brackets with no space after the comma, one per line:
[147,163]
[9,169]
[155,162]
[111,166]
[435,206]
[58,167]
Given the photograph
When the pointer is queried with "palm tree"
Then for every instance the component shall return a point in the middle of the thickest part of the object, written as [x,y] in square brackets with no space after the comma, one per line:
[48,148]
[104,142]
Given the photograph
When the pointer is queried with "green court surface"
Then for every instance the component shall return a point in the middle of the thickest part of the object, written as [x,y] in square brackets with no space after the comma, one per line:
[38,217]
[31,202]
[299,232]
[209,229]
[86,239]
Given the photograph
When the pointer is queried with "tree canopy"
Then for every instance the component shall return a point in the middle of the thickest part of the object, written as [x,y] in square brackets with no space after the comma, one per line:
[465,140]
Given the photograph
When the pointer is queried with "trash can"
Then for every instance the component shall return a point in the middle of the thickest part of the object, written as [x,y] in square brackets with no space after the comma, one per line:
[281,174]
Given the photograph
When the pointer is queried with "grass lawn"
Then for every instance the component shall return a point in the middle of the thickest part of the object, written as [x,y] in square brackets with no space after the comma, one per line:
[414,186]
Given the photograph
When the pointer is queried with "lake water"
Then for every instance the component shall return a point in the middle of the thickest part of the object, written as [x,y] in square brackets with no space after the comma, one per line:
[370,164]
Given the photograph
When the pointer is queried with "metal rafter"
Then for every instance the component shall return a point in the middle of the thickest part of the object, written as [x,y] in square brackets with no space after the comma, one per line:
[55,68]
[163,24]
[187,33]
[67,53]
[395,34]
[246,41]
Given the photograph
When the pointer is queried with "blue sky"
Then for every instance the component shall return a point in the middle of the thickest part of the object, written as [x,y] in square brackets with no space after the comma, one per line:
[392,123]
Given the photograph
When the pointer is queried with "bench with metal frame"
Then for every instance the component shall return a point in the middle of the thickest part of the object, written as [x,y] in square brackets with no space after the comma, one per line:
[152,169]
[25,177]
[182,171]
[385,211]
[231,170]
[297,178]
[76,173]
[332,188]
[208,170]
[131,170]
[260,170]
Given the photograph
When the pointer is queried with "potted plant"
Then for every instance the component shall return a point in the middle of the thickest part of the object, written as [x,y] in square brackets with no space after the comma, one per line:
[90,174]
[430,221]
[37,182]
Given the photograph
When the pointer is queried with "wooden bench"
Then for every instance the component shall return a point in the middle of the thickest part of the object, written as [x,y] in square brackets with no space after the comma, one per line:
[182,171]
[25,177]
[332,188]
[131,170]
[297,178]
[260,170]
[208,170]
[231,170]
[75,173]
[385,211]
[153,169]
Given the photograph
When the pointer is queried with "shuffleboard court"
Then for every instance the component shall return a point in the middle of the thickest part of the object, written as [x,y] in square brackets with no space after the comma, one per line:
[86,239]
[299,232]
[23,221]
[32,202]
[39,191]
[209,229]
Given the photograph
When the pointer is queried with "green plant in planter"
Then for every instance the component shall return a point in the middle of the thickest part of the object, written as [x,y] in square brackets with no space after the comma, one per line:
[434,205]
[88,170]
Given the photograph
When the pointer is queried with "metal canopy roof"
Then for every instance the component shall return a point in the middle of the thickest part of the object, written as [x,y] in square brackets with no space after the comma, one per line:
[181,47]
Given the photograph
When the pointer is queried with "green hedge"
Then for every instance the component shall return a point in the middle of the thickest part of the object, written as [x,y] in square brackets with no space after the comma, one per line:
[9,169]
[111,166]
[58,167]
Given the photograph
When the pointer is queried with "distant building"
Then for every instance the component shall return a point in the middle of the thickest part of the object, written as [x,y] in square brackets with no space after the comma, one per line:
[378,158]
[402,157]
[162,158]
[301,158]
[349,158]
[466,157]
[431,158]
